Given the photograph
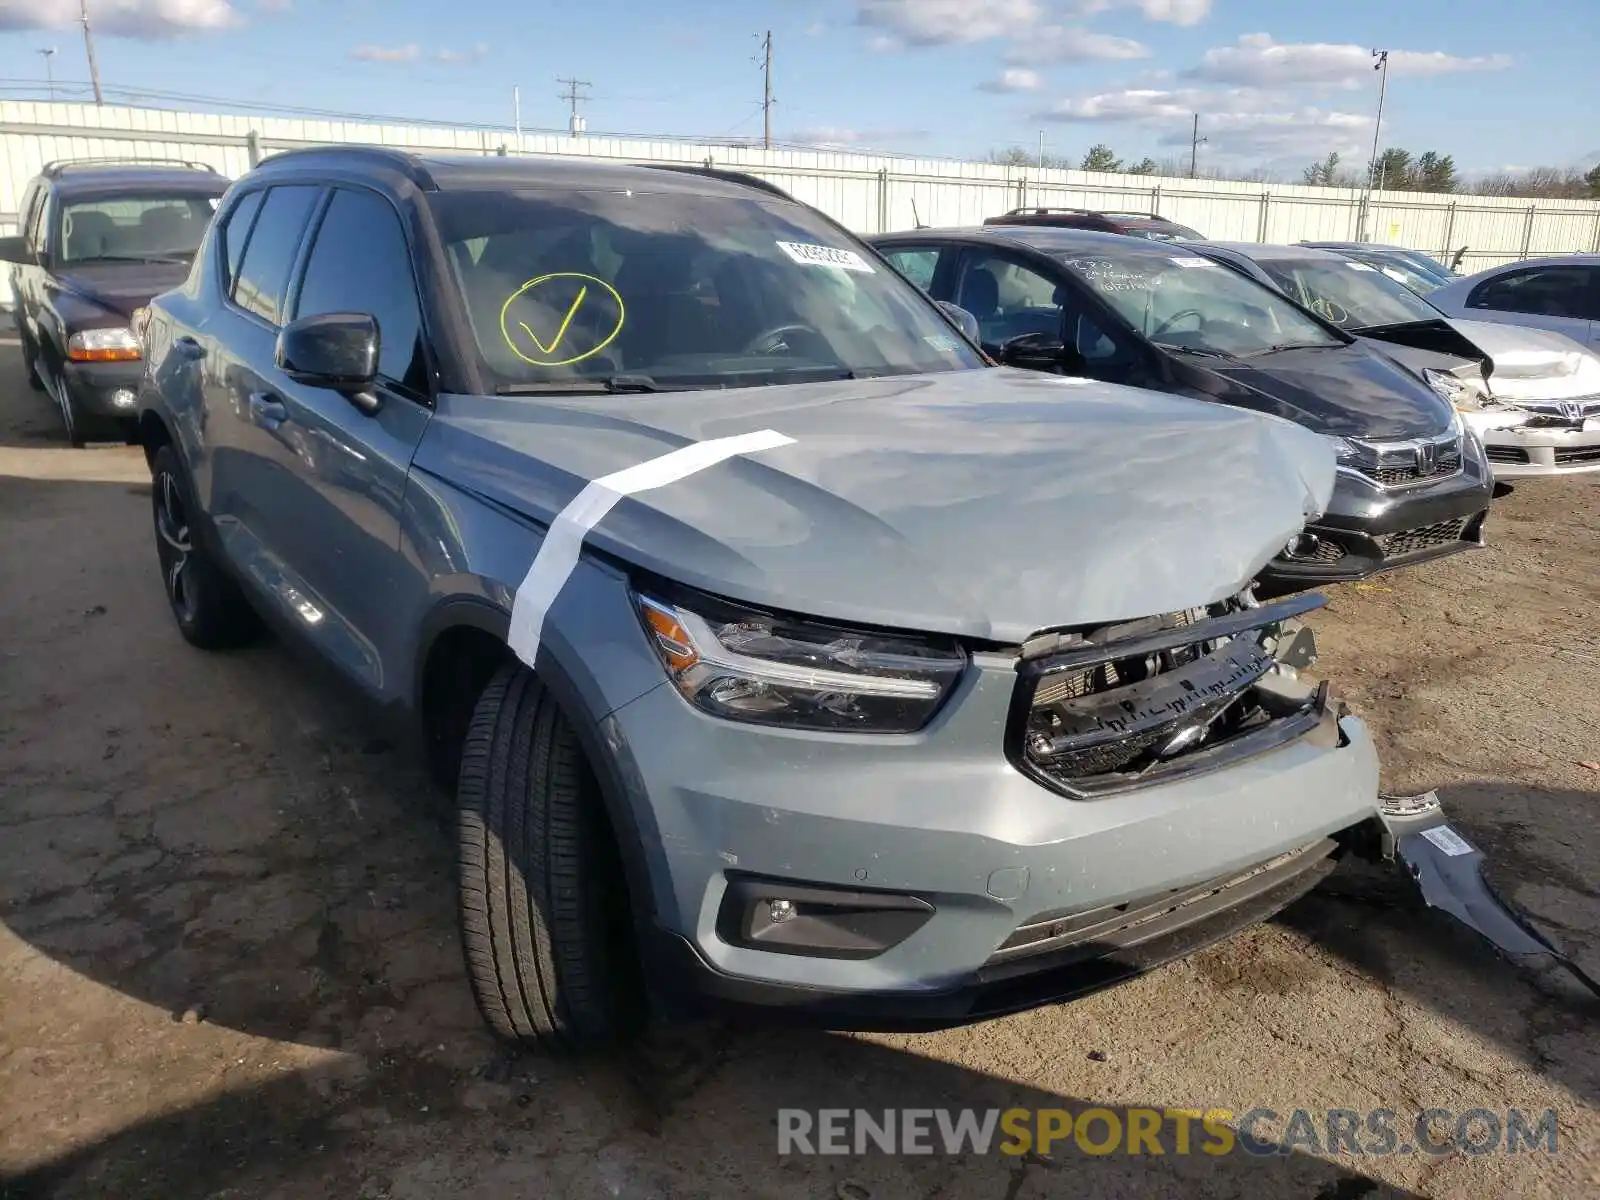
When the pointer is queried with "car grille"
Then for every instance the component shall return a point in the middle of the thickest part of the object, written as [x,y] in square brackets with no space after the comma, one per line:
[1323,552]
[1568,411]
[1505,454]
[1583,454]
[1135,703]
[1406,464]
[1422,539]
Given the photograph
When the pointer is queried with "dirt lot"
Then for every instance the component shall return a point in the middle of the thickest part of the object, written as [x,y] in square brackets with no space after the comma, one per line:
[228,963]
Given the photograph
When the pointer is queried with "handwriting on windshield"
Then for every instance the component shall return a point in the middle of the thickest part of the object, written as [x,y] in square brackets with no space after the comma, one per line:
[561,318]
[1106,276]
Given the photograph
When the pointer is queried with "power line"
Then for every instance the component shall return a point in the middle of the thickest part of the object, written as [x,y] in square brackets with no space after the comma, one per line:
[572,95]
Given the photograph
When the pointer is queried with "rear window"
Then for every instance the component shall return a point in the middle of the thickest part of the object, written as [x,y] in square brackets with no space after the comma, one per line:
[148,228]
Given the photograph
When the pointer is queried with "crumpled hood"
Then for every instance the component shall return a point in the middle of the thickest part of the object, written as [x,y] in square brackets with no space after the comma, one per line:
[1533,364]
[987,503]
[121,287]
[1349,391]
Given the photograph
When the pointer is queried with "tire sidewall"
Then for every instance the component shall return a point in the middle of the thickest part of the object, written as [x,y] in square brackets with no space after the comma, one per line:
[197,572]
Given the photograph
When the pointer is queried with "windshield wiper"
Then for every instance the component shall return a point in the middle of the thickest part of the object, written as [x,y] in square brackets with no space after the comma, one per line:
[1200,351]
[612,385]
[1277,346]
[138,258]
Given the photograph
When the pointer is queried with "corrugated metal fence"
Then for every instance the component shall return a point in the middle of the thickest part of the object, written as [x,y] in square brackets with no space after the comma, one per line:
[870,193]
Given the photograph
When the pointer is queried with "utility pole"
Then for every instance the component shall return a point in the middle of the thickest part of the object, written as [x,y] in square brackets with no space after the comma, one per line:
[516,113]
[1194,147]
[50,71]
[572,96]
[88,45]
[766,91]
[1382,67]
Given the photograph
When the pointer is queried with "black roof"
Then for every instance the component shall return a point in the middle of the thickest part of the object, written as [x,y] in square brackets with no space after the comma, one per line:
[97,176]
[478,172]
[1050,239]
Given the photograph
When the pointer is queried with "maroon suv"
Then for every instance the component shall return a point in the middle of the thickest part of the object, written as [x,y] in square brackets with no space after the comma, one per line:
[1146,225]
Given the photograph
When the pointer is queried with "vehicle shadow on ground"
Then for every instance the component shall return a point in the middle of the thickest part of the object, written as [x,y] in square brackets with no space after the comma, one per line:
[615,1129]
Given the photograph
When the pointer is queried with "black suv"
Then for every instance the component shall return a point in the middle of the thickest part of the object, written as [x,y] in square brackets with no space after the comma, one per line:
[99,238]
[1131,224]
[1413,483]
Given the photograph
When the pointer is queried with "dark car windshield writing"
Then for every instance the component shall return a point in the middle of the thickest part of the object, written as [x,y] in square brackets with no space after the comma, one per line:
[1352,295]
[679,290]
[139,228]
[1192,303]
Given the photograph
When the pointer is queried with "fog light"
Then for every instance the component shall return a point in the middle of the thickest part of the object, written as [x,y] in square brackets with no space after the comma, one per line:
[816,919]
[124,398]
[780,911]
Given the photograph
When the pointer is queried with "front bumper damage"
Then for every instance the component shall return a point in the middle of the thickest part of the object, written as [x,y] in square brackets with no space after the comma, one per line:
[1520,442]
[1449,870]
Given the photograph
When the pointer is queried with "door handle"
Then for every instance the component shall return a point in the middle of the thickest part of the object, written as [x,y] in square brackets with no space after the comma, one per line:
[267,410]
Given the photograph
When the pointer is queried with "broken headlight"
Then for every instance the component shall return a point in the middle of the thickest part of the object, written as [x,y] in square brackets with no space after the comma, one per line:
[746,665]
[1456,392]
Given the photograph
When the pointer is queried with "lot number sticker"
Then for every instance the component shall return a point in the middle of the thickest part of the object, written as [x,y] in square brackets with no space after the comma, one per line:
[825,256]
[1448,840]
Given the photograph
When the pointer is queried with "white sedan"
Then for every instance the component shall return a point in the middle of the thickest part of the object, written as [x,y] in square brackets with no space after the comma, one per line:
[1558,294]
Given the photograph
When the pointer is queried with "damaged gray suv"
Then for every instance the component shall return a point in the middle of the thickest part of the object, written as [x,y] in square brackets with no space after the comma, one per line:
[777,647]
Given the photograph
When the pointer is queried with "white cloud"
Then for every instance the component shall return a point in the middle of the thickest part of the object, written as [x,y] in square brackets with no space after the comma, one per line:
[947,22]
[1056,43]
[275,6]
[386,54]
[1013,79]
[1243,123]
[816,29]
[1174,12]
[1257,60]
[123,18]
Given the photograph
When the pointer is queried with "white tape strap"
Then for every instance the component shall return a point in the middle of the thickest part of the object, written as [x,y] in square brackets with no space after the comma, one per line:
[557,555]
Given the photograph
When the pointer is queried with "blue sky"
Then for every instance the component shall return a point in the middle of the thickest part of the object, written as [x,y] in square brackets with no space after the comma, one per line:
[1495,84]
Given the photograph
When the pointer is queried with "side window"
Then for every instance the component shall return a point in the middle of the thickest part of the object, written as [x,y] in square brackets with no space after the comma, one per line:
[918,265]
[269,256]
[1547,291]
[41,221]
[360,263]
[235,233]
[1008,298]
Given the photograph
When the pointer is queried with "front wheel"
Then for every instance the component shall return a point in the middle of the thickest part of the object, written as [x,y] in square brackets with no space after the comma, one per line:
[210,610]
[30,363]
[544,912]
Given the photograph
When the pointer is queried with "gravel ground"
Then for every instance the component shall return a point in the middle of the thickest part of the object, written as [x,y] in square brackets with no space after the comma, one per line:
[229,966]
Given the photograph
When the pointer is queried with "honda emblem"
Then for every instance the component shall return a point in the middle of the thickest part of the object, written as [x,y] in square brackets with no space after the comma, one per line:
[1572,412]
[1426,457]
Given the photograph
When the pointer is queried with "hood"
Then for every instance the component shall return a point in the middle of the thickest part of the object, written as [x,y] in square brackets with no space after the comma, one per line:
[1533,364]
[121,287]
[1348,391]
[989,503]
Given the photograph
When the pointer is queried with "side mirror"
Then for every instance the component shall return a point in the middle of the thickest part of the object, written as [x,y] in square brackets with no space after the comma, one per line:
[967,322]
[334,350]
[14,249]
[1041,352]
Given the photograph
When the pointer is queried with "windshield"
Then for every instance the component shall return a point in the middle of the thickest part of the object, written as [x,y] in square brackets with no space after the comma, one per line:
[138,228]
[1166,231]
[1351,295]
[1402,271]
[1192,303]
[669,289]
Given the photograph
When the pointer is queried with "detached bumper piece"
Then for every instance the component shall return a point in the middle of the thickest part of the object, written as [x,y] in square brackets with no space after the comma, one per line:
[1141,703]
[1449,871]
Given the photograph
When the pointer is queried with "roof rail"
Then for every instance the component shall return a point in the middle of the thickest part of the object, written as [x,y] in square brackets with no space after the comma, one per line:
[409,164]
[1044,210]
[739,177]
[56,166]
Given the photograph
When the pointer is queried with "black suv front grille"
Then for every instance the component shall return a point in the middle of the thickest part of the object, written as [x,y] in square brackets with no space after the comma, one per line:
[1405,464]
[1135,704]
[1422,539]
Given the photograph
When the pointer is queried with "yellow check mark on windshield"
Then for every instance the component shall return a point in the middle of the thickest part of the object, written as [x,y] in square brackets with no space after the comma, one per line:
[565,323]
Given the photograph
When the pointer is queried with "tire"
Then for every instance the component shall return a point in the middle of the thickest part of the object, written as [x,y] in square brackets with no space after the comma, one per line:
[72,419]
[210,610]
[544,913]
